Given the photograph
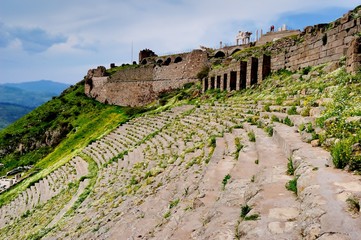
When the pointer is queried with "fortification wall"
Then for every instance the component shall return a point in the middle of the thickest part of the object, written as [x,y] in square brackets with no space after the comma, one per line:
[319,44]
[142,73]
[142,85]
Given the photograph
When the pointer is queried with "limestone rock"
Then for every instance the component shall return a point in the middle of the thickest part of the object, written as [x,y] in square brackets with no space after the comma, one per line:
[315,143]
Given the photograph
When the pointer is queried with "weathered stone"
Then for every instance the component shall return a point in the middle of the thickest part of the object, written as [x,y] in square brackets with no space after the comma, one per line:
[324,101]
[354,119]
[315,143]
[197,203]
[306,137]
[316,111]
[296,76]
[142,85]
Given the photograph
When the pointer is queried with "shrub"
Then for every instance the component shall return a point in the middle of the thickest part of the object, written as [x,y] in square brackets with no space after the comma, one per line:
[290,168]
[309,128]
[225,180]
[252,217]
[292,110]
[301,127]
[239,146]
[341,153]
[274,118]
[245,210]
[212,141]
[353,204]
[269,130]
[305,112]
[292,185]
[288,121]
[203,73]
[174,203]
[267,108]
[251,136]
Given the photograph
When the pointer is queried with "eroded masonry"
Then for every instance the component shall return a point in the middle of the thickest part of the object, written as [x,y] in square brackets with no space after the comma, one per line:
[241,65]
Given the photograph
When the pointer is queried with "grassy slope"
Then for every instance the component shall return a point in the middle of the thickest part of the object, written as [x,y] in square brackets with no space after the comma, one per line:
[88,119]
[282,88]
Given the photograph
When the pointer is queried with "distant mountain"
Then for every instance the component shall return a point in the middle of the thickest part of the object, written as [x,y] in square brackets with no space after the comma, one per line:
[42,86]
[17,99]
[11,112]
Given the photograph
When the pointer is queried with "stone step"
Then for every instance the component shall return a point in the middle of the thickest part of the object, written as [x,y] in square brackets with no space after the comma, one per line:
[69,204]
[297,120]
[322,190]
[277,207]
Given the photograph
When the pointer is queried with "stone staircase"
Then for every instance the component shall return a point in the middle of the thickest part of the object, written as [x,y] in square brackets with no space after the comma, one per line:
[43,190]
[207,172]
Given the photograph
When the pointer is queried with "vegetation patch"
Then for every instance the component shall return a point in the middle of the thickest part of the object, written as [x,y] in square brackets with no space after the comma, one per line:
[251,136]
[225,181]
[245,209]
[292,185]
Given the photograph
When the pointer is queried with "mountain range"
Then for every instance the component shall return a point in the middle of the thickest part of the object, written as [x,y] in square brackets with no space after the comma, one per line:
[17,99]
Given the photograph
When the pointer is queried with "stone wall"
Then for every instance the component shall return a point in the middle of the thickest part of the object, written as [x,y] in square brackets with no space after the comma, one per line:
[319,44]
[142,85]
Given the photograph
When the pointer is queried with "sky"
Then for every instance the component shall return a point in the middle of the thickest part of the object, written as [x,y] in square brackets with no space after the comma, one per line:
[60,40]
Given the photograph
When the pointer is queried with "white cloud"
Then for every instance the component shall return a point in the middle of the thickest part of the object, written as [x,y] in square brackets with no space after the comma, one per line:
[74,34]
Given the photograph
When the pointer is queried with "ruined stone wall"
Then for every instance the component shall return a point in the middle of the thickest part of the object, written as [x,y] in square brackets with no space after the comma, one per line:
[319,44]
[142,85]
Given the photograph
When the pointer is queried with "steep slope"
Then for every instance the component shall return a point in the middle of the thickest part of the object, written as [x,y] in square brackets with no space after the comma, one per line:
[238,165]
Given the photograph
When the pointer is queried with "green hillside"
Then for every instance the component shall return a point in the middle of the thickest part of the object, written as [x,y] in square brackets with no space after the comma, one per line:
[56,131]
[73,125]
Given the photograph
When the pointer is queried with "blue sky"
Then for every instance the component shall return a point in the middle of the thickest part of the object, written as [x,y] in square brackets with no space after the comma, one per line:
[61,40]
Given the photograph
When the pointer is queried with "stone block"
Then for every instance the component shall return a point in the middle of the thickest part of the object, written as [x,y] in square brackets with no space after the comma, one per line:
[349,24]
[323,54]
[336,43]
[345,19]
[318,43]
[348,39]
[332,31]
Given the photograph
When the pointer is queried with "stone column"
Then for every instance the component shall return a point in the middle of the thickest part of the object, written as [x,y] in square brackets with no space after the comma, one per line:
[212,83]
[238,80]
[222,85]
[248,78]
[228,81]
[209,83]
[253,73]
